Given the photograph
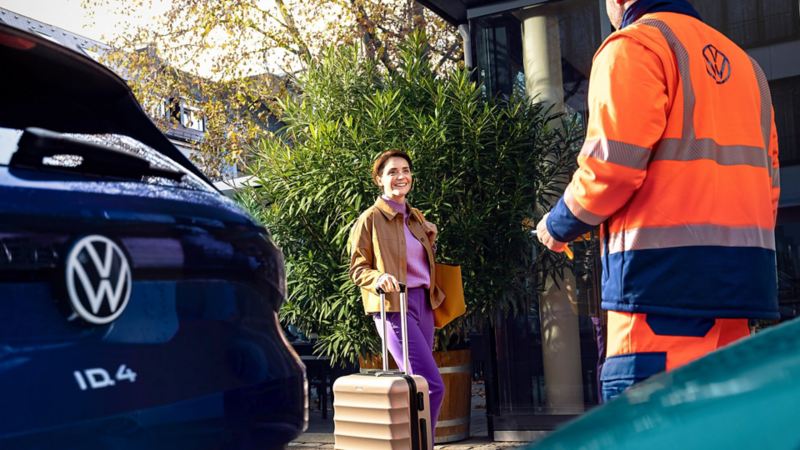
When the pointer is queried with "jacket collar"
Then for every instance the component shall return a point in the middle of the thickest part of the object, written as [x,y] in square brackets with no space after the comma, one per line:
[642,7]
[390,212]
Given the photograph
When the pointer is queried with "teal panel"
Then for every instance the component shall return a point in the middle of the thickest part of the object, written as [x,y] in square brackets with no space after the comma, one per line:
[745,396]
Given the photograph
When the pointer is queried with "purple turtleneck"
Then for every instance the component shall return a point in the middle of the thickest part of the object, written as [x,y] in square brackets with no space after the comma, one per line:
[418,273]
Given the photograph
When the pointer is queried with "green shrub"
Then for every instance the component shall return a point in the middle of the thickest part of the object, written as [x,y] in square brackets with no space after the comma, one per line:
[479,172]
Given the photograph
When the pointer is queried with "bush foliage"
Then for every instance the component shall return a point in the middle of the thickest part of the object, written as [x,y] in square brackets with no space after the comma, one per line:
[480,167]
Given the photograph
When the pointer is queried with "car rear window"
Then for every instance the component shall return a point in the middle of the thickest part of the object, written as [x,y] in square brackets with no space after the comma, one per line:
[9,138]
[8,144]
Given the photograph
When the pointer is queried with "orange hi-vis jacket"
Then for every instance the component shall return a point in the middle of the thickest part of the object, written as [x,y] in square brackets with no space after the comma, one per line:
[680,165]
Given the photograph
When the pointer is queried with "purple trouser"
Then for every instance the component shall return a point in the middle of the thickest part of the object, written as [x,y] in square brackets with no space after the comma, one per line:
[420,345]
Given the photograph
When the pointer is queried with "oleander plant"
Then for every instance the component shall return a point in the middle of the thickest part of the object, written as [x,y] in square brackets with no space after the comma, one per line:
[481,165]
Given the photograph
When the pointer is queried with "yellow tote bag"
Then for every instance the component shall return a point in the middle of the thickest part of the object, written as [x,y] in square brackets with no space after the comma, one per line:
[448,279]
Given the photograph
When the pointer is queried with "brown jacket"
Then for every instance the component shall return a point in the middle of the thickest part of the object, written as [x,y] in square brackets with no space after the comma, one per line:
[378,245]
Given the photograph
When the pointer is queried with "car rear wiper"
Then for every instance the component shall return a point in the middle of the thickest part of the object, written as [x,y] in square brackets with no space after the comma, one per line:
[46,150]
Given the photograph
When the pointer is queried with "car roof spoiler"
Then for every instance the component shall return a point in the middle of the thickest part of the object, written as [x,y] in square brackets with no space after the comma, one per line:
[56,88]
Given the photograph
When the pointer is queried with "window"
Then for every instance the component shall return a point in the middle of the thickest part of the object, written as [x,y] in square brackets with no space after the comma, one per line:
[742,22]
[530,393]
[8,143]
[580,37]
[787,243]
[786,102]
[192,118]
[753,23]
[178,112]
[498,42]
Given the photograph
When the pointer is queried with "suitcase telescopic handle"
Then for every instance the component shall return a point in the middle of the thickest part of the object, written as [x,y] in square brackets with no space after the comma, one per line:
[402,288]
[403,328]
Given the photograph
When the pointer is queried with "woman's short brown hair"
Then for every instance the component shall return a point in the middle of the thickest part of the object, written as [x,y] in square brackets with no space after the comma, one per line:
[380,161]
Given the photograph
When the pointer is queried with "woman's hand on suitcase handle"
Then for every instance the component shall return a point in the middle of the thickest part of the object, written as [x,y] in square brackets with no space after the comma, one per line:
[387,283]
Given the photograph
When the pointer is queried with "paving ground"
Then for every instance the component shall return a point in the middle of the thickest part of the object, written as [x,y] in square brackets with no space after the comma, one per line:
[320,431]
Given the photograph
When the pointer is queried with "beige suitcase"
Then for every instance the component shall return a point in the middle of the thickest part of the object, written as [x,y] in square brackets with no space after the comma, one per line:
[383,409]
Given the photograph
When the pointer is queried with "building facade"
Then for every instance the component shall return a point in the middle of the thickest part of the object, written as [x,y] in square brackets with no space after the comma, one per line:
[543,365]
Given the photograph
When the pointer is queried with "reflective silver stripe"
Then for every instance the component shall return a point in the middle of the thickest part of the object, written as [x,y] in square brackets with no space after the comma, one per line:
[682,58]
[616,152]
[579,211]
[691,235]
[726,155]
[766,118]
[772,171]
[766,102]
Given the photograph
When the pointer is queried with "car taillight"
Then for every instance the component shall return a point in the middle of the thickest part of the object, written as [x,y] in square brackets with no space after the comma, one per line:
[16,42]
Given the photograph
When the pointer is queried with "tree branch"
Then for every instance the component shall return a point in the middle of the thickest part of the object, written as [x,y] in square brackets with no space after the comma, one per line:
[366,27]
[448,55]
[294,32]
[418,15]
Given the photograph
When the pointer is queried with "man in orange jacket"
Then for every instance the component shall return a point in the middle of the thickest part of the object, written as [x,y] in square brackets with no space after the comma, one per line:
[680,170]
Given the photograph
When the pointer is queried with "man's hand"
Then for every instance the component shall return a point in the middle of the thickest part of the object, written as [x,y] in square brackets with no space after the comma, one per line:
[545,238]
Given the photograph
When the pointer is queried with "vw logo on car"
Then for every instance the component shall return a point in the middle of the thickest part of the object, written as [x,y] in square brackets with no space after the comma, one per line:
[98,279]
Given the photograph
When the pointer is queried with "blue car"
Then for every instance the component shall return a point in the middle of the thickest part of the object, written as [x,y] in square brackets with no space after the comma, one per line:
[138,306]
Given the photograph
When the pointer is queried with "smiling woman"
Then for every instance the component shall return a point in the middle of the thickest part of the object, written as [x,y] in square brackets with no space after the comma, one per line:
[392,244]
[392,172]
